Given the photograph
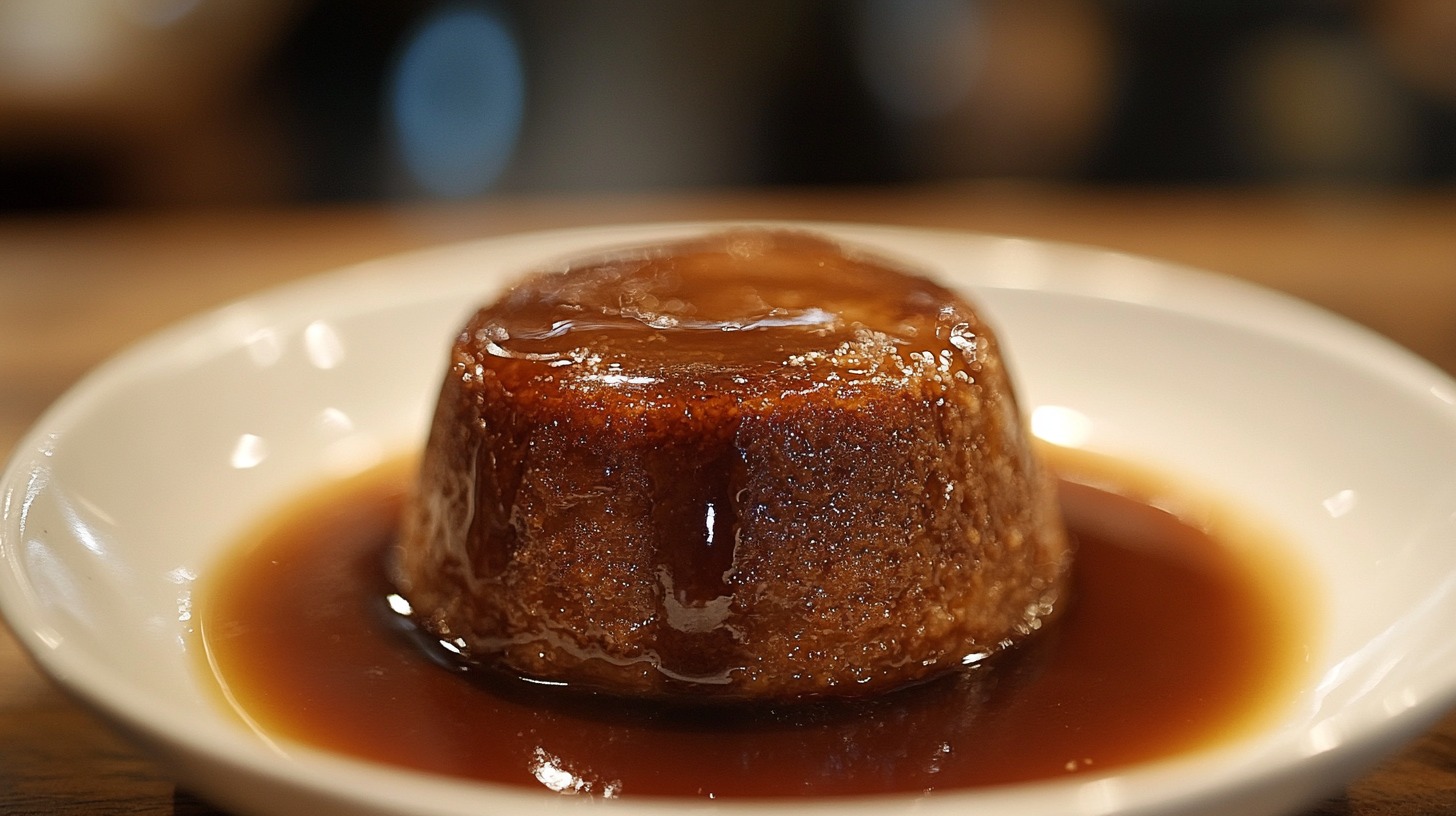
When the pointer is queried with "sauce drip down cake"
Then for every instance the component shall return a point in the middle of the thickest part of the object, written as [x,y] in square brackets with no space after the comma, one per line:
[751,465]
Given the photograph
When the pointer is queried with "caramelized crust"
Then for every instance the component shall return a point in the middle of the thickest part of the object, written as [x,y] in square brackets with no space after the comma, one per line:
[748,465]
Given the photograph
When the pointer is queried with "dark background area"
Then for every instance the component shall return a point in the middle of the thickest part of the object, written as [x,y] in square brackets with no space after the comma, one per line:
[210,102]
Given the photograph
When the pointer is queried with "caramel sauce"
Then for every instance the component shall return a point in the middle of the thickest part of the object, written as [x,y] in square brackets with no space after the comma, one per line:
[1177,638]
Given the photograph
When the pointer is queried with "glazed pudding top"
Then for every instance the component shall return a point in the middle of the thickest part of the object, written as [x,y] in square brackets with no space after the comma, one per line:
[748,311]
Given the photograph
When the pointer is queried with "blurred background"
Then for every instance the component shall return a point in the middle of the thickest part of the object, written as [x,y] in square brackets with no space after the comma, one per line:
[156,103]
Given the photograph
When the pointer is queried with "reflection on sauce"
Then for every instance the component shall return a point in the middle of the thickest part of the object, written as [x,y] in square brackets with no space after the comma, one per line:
[791,301]
[1175,640]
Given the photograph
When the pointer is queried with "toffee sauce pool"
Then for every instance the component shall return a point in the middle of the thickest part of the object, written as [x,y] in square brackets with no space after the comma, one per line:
[1173,640]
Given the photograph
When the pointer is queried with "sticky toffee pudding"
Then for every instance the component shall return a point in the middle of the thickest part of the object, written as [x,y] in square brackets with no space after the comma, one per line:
[752,465]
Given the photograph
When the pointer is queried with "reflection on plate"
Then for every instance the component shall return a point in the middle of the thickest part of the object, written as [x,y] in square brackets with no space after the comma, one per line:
[126,491]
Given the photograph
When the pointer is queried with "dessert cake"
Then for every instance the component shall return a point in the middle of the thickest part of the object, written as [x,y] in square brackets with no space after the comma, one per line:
[749,465]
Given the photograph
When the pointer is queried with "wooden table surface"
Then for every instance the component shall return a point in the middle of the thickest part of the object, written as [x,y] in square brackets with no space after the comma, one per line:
[75,289]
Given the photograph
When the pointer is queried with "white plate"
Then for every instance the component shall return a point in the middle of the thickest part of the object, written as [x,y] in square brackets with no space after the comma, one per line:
[128,488]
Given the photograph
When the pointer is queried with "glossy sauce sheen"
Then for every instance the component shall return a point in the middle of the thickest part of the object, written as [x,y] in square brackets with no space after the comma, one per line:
[732,312]
[1174,640]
